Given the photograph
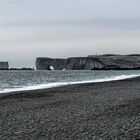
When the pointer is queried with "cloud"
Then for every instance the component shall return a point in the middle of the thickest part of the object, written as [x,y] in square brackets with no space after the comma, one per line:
[15,12]
[31,28]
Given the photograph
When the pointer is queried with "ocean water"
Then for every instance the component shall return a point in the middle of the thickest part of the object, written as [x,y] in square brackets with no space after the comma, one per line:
[31,80]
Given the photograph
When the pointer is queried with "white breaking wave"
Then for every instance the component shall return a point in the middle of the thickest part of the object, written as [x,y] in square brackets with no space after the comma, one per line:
[59,84]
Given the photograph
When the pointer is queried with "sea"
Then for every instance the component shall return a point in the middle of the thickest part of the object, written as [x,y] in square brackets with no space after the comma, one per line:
[11,81]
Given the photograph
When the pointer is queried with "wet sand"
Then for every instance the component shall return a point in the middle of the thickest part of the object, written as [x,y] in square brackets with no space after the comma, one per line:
[106,111]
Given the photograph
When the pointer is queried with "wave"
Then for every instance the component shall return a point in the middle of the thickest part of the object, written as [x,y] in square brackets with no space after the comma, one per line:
[59,84]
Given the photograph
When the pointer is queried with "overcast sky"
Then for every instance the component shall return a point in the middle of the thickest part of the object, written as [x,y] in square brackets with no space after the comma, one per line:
[64,28]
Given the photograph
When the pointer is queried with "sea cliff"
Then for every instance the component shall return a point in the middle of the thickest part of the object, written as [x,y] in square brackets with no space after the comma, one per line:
[100,62]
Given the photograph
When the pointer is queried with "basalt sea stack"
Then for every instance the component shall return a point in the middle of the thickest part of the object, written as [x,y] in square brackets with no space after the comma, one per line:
[4,65]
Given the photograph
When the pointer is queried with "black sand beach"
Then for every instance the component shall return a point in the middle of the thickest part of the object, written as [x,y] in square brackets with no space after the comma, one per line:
[106,111]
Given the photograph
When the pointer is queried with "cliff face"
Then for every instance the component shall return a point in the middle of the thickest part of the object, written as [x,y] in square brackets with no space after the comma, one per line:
[101,62]
[47,63]
[4,66]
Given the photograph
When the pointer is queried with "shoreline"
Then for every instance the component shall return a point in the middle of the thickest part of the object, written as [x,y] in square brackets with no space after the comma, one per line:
[63,84]
[106,110]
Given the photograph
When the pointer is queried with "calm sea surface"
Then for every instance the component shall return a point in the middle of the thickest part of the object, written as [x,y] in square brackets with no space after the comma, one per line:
[28,80]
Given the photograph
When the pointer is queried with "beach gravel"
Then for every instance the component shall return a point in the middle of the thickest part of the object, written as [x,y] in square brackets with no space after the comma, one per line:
[94,111]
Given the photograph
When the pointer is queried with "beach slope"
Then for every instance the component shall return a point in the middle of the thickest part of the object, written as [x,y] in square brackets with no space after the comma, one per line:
[107,110]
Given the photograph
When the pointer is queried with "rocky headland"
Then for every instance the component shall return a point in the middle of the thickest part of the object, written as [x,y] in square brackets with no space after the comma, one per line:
[93,62]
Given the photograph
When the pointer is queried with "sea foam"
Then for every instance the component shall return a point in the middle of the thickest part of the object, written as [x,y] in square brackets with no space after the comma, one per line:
[59,84]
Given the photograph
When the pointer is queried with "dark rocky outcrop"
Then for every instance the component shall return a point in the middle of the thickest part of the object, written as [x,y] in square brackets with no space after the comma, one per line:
[4,66]
[46,63]
[100,62]
[21,69]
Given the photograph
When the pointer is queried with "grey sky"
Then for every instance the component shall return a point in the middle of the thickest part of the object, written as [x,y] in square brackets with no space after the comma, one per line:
[31,28]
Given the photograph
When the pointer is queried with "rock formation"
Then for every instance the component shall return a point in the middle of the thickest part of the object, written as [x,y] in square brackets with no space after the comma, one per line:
[100,62]
[4,66]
